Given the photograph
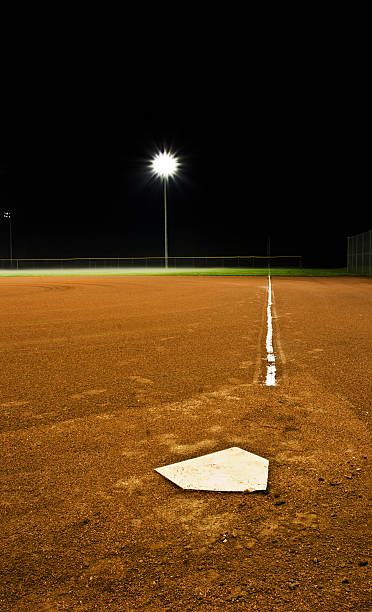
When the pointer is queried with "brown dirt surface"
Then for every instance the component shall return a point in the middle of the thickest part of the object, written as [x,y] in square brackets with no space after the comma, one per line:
[104,379]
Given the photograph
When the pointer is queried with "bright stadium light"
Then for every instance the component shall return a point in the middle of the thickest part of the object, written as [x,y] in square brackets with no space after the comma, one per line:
[165,165]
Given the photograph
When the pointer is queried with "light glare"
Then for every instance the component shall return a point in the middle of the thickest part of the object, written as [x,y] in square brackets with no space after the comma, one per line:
[164,164]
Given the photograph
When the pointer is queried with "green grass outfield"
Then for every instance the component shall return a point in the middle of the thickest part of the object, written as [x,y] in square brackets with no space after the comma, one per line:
[178,272]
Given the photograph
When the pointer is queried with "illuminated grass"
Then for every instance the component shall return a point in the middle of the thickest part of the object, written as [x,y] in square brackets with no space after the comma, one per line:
[177,272]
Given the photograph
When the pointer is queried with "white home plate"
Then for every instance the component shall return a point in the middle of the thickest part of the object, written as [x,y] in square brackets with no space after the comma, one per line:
[233,469]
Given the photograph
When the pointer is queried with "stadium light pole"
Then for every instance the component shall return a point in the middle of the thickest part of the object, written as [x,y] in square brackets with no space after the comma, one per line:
[8,216]
[164,165]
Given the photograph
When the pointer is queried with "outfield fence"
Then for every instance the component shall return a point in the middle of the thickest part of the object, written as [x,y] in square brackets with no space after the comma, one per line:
[91,263]
[359,254]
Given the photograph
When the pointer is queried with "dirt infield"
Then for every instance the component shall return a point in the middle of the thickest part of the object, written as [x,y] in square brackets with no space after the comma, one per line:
[104,379]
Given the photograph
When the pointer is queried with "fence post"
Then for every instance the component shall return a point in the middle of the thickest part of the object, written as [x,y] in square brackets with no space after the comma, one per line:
[355,254]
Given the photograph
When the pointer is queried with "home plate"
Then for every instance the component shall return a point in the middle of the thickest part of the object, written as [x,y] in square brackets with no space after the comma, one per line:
[232,469]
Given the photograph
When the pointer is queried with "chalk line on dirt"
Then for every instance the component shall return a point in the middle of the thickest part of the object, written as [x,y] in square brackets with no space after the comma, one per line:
[270,355]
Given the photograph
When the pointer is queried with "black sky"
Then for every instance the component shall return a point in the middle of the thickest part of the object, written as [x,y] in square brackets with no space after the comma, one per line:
[273,142]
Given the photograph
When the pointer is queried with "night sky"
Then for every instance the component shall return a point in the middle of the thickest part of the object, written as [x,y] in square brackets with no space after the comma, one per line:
[274,147]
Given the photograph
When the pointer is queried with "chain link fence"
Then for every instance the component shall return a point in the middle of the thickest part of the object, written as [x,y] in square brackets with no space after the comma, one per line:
[359,254]
[136,263]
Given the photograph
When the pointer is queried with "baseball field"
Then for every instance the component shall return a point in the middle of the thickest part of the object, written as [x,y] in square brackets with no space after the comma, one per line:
[104,378]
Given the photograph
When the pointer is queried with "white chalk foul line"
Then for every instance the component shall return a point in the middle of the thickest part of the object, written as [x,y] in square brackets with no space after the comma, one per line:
[270,356]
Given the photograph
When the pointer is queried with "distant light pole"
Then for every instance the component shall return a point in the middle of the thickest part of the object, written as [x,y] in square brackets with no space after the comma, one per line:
[165,165]
[8,216]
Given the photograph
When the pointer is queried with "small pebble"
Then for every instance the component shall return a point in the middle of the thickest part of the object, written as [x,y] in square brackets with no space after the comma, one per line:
[293,585]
